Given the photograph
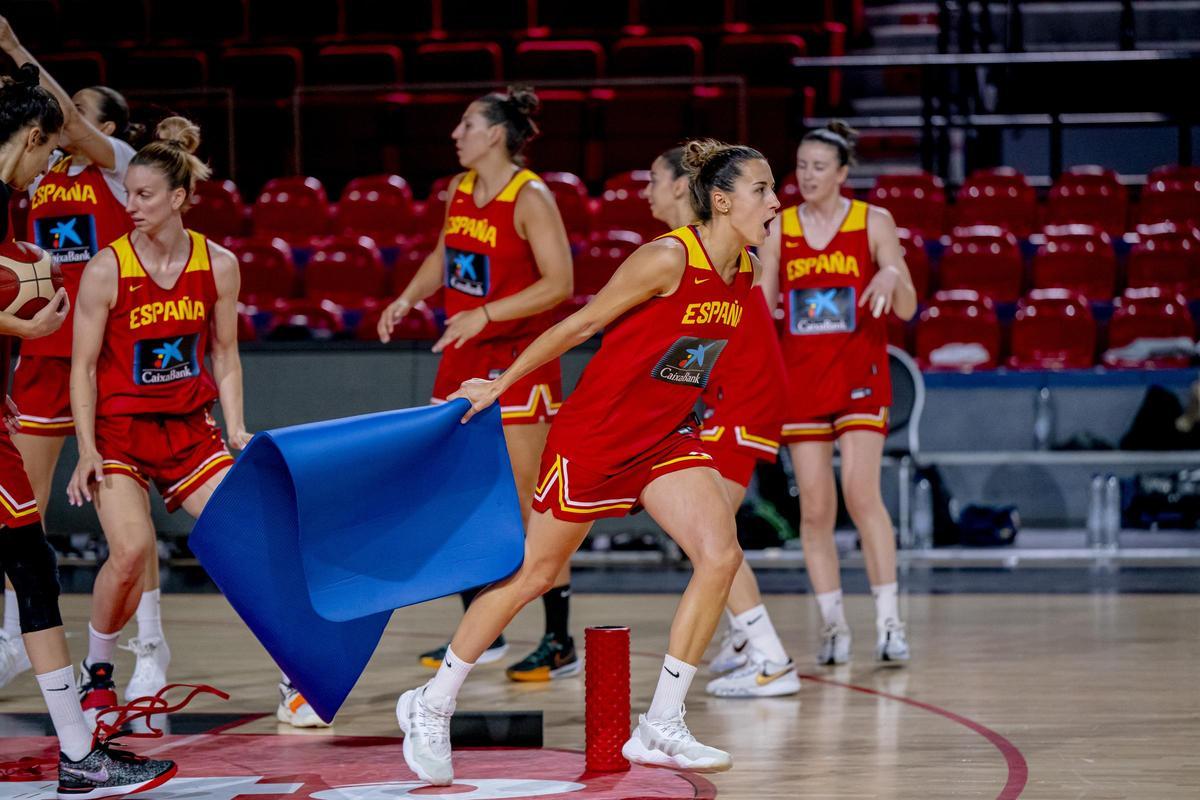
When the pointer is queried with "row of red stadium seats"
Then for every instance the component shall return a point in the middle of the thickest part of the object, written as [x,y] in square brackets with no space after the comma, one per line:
[383,207]
[141,21]
[1053,329]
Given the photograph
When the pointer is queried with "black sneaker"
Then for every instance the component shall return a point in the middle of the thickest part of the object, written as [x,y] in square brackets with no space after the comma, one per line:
[433,658]
[552,659]
[108,771]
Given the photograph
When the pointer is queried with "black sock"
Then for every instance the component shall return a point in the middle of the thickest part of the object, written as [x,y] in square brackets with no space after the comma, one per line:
[557,603]
[469,596]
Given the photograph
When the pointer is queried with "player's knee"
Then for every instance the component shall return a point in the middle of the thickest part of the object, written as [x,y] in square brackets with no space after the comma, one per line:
[538,579]
[864,502]
[32,566]
[127,560]
[721,558]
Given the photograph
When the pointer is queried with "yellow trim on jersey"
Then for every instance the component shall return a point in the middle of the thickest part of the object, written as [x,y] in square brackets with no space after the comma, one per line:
[697,256]
[32,424]
[712,434]
[216,462]
[199,261]
[791,223]
[14,513]
[128,265]
[870,420]
[509,193]
[559,472]
[62,165]
[128,469]
[856,219]
[539,396]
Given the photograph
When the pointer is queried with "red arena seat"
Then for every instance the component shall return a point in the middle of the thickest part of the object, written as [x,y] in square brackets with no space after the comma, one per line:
[1172,196]
[1089,195]
[958,331]
[1053,329]
[1079,258]
[1166,256]
[622,206]
[602,255]
[347,270]
[917,201]
[217,210]
[917,259]
[985,258]
[573,203]
[295,207]
[267,269]
[1150,328]
[1000,197]
[378,206]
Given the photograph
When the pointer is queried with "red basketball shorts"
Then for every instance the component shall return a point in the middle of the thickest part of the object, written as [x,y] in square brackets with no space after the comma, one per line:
[575,493]
[535,398]
[736,449]
[177,453]
[18,507]
[828,427]
[42,391]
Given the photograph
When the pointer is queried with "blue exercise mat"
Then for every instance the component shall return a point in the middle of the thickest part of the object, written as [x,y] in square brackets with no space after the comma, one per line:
[319,531]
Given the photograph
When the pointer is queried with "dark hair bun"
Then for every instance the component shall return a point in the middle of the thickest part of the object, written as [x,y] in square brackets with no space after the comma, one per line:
[28,75]
[699,152]
[524,100]
[843,130]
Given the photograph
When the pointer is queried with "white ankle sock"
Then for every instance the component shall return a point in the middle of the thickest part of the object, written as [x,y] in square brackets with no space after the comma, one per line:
[101,646]
[756,623]
[674,680]
[830,603]
[12,613]
[62,701]
[887,604]
[149,615]
[450,676]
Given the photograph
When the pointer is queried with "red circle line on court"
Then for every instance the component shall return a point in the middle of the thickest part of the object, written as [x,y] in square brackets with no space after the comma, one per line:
[1018,769]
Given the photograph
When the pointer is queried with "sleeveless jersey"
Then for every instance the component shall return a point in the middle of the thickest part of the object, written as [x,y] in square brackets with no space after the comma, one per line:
[653,363]
[72,217]
[6,342]
[152,359]
[746,394]
[835,352]
[486,259]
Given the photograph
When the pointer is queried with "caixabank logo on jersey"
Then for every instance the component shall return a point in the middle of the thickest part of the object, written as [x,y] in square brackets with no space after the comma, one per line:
[829,310]
[158,361]
[689,361]
[69,240]
[467,272]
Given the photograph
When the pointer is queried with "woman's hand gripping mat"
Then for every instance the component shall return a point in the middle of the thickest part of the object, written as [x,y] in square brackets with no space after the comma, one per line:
[319,531]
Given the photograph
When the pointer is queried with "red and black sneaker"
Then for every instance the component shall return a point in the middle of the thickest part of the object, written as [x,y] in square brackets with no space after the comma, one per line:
[96,689]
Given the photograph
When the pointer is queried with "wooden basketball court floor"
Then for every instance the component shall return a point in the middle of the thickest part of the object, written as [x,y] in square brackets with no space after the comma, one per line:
[1033,696]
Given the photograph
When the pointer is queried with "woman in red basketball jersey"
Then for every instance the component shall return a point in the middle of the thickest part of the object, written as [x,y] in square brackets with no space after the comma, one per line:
[77,208]
[743,409]
[504,261]
[30,121]
[841,269]
[151,306]
[627,436]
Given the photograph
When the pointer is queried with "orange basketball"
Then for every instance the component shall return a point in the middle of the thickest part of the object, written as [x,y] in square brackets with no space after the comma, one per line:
[28,278]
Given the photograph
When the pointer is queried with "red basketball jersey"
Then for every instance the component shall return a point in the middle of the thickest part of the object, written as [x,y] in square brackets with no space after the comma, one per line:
[746,393]
[653,364]
[72,217]
[152,359]
[835,352]
[485,257]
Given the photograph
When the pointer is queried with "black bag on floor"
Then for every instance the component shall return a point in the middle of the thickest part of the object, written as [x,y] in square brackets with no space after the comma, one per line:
[988,526]
[945,526]
[1153,426]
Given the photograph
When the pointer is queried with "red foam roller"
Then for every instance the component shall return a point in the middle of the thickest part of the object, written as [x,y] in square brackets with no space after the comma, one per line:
[606,718]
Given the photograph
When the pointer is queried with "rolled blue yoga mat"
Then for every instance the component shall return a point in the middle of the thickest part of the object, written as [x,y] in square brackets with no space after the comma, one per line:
[319,531]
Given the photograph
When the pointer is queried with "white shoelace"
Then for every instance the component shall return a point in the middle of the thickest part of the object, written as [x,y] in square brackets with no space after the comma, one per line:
[434,725]
[674,728]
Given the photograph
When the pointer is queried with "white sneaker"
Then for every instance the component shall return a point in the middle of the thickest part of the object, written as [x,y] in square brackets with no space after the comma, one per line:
[13,658]
[835,645]
[892,645]
[758,678]
[426,726]
[294,709]
[150,669]
[669,743]
[732,655]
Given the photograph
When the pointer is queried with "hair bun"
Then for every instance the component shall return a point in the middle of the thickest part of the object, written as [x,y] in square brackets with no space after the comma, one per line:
[843,130]
[699,152]
[524,99]
[179,131]
[28,75]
